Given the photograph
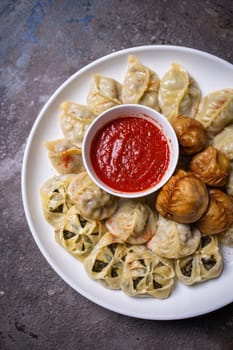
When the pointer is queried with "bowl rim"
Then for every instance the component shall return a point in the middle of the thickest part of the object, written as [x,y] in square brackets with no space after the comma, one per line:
[141,112]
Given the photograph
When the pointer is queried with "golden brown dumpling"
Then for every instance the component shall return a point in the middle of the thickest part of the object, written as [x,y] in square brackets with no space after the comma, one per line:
[183,199]
[211,166]
[219,214]
[191,134]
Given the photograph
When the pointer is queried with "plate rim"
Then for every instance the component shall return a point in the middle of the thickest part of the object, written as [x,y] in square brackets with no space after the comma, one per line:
[28,216]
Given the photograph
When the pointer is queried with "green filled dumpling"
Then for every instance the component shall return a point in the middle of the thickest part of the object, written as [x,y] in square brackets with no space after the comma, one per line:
[105,263]
[146,274]
[78,235]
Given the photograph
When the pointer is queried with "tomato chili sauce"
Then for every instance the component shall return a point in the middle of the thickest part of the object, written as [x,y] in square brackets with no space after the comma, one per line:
[130,154]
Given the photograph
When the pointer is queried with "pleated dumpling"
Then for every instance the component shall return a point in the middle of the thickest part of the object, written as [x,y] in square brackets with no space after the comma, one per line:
[141,85]
[133,222]
[179,94]
[74,122]
[224,141]
[218,216]
[92,202]
[205,264]
[211,166]
[184,198]
[105,263]
[78,235]
[226,237]
[54,199]
[65,157]
[216,111]
[173,240]
[229,185]
[146,274]
[191,135]
[104,93]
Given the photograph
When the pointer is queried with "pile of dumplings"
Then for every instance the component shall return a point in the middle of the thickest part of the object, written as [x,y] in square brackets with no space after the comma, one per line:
[144,246]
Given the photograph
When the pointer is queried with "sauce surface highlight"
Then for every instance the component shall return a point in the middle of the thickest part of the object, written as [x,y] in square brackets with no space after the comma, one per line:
[130,154]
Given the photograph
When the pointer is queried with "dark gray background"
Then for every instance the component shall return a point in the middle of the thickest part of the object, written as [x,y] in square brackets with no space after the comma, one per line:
[42,44]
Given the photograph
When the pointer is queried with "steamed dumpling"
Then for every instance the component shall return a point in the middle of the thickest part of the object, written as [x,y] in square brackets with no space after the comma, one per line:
[173,240]
[75,121]
[92,202]
[224,141]
[54,199]
[78,235]
[65,157]
[105,263]
[216,111]
[178,93]
[145,274]
[226,237]
[229,185]
[205,264]
[133,222]
[141,85]
[184,198]
[104,93]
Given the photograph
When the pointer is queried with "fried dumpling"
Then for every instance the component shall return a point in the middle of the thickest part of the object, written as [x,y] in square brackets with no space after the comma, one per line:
[65,157]
[146,274]
[104,93]
[184,198]
[206,263]
[77,234]
[141,85]
[216,111]
[133,222]
[54,199]
[92,202]
[224,141]
[191,134]
[219,214]
[105,263]
[75,121]
[178,93]
[173,240]
[226,237]
[211,166]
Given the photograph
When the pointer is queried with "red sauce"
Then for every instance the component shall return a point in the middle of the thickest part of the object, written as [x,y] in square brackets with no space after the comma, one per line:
[130,154]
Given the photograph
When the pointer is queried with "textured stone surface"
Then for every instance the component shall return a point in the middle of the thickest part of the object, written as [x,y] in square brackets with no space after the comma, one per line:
[42,43]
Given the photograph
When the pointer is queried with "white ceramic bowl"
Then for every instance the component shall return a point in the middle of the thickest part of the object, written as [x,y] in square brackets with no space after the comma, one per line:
[139,111]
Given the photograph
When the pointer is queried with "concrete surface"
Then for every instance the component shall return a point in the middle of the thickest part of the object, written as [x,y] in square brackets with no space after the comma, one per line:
[42,43]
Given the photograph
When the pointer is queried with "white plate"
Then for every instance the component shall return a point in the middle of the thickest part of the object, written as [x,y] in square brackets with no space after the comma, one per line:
[211,73]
